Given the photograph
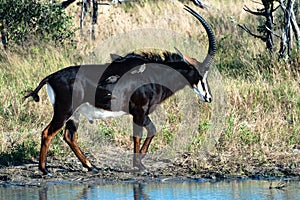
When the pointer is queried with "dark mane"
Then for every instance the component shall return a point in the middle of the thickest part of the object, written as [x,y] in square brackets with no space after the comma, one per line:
[163,57]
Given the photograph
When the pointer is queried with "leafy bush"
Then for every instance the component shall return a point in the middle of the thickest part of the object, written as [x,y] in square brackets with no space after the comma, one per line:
[29,21]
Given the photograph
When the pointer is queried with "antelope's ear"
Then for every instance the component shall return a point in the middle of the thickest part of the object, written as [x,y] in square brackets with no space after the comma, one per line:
[114,56]
[186,58]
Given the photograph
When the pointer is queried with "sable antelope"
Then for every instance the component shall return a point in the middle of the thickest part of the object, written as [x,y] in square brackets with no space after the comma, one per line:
[133,84]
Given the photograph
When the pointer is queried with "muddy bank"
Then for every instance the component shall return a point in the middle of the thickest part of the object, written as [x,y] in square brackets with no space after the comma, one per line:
[115,166]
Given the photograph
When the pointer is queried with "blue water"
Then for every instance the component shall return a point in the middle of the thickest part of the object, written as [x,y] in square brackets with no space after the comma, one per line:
[247,189]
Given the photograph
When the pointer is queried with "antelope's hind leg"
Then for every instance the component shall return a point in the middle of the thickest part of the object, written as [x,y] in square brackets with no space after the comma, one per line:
[70,136]
[47,135]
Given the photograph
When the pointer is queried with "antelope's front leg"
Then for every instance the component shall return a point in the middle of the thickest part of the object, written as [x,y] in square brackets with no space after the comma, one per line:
[151,130]
[137,135]
[139,153]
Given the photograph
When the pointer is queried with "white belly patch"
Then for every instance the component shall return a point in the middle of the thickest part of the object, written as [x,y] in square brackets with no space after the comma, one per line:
[91,112]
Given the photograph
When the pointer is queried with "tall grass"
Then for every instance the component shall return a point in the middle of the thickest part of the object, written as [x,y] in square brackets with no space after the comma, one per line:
[21,121]
[262,100]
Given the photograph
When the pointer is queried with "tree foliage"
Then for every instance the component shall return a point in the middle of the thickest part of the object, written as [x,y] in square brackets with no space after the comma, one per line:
[24,22]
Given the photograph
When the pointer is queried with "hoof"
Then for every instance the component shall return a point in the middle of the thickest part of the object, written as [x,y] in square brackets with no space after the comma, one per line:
[45,172]
[49,174]
[140,166]
[144,170]
[93,170]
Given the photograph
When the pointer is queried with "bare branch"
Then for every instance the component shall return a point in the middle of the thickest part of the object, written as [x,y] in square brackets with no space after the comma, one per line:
[66,3]
[271,31]
[274,9]
[119,1]
[253,12]
[257,2]
[281,4]
[245,28]
[201,4]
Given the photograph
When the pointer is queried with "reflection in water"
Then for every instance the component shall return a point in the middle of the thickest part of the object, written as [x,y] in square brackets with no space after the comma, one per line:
[139,193]
[250,189]
[88,192]
[43,193]
[85,192]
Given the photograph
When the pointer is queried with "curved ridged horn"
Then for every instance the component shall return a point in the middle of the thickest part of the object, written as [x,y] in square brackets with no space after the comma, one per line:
[211,38]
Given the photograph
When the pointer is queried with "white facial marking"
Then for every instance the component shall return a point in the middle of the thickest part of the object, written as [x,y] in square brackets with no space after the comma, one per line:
[199,91]
[91,112]
[208,95]
[202,89]
[51,94]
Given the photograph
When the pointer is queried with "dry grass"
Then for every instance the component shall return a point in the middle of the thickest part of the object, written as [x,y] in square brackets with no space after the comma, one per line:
[254,118]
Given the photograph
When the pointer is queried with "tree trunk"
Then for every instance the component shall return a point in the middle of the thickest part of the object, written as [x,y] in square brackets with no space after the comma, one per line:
[296,29]
[269,22]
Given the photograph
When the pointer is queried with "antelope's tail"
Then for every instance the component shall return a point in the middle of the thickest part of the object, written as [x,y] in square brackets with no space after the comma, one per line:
[34,93]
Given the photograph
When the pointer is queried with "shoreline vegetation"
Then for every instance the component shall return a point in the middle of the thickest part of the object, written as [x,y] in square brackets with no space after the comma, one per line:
[252,129]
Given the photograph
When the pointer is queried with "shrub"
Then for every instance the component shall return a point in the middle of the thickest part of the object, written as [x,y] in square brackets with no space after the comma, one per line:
[29,21]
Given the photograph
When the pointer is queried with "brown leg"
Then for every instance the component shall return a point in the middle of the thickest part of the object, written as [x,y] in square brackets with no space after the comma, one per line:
[137,134]
[47,135]
[70,137]
[151,130]
[139,154]
[145,146]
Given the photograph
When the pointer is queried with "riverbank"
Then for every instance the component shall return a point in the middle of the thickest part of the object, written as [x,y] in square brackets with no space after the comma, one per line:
[115,166]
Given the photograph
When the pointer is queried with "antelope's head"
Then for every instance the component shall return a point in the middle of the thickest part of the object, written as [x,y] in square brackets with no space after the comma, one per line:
[200,85]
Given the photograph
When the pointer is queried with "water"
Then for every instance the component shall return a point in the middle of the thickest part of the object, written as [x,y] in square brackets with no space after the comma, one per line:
[247,189]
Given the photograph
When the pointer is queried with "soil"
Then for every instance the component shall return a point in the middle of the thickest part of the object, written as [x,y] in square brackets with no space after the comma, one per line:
[114,165]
